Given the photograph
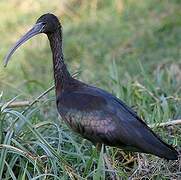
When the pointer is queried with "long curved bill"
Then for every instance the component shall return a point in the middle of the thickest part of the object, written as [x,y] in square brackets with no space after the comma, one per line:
[37,28]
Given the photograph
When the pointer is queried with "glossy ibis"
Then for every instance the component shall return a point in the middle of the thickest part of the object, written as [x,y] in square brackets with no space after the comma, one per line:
[90,111]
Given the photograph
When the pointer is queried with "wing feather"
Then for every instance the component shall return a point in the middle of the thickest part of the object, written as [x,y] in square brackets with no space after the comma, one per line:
[101,117]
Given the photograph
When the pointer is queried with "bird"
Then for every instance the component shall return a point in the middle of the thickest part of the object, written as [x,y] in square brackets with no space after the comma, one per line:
[92,112]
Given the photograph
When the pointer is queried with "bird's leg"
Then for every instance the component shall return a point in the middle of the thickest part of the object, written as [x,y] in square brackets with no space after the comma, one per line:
[99,147]
[106,160]
[109,166]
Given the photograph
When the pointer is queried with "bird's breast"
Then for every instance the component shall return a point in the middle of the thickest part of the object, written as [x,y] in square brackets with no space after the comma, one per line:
[91,125]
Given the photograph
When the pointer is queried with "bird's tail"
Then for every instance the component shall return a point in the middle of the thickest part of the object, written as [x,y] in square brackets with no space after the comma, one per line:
[166,151]
[154,145]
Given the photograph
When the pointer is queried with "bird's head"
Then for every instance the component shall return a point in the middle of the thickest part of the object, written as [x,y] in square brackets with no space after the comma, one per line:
[47,23]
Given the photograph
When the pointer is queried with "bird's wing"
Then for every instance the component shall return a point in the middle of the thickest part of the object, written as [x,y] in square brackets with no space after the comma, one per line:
[99,114]
[101,117]
[86,109]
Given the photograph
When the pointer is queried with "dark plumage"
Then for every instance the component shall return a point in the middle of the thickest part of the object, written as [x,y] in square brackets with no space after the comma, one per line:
[92,112]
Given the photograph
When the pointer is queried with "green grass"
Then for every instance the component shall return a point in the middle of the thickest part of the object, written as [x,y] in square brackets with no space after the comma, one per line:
[130,48]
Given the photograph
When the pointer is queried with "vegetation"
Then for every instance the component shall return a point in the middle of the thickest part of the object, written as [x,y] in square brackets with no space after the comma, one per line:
[130,48]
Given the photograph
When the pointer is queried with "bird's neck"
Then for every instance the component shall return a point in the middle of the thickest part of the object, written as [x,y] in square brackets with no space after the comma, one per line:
[61,74]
